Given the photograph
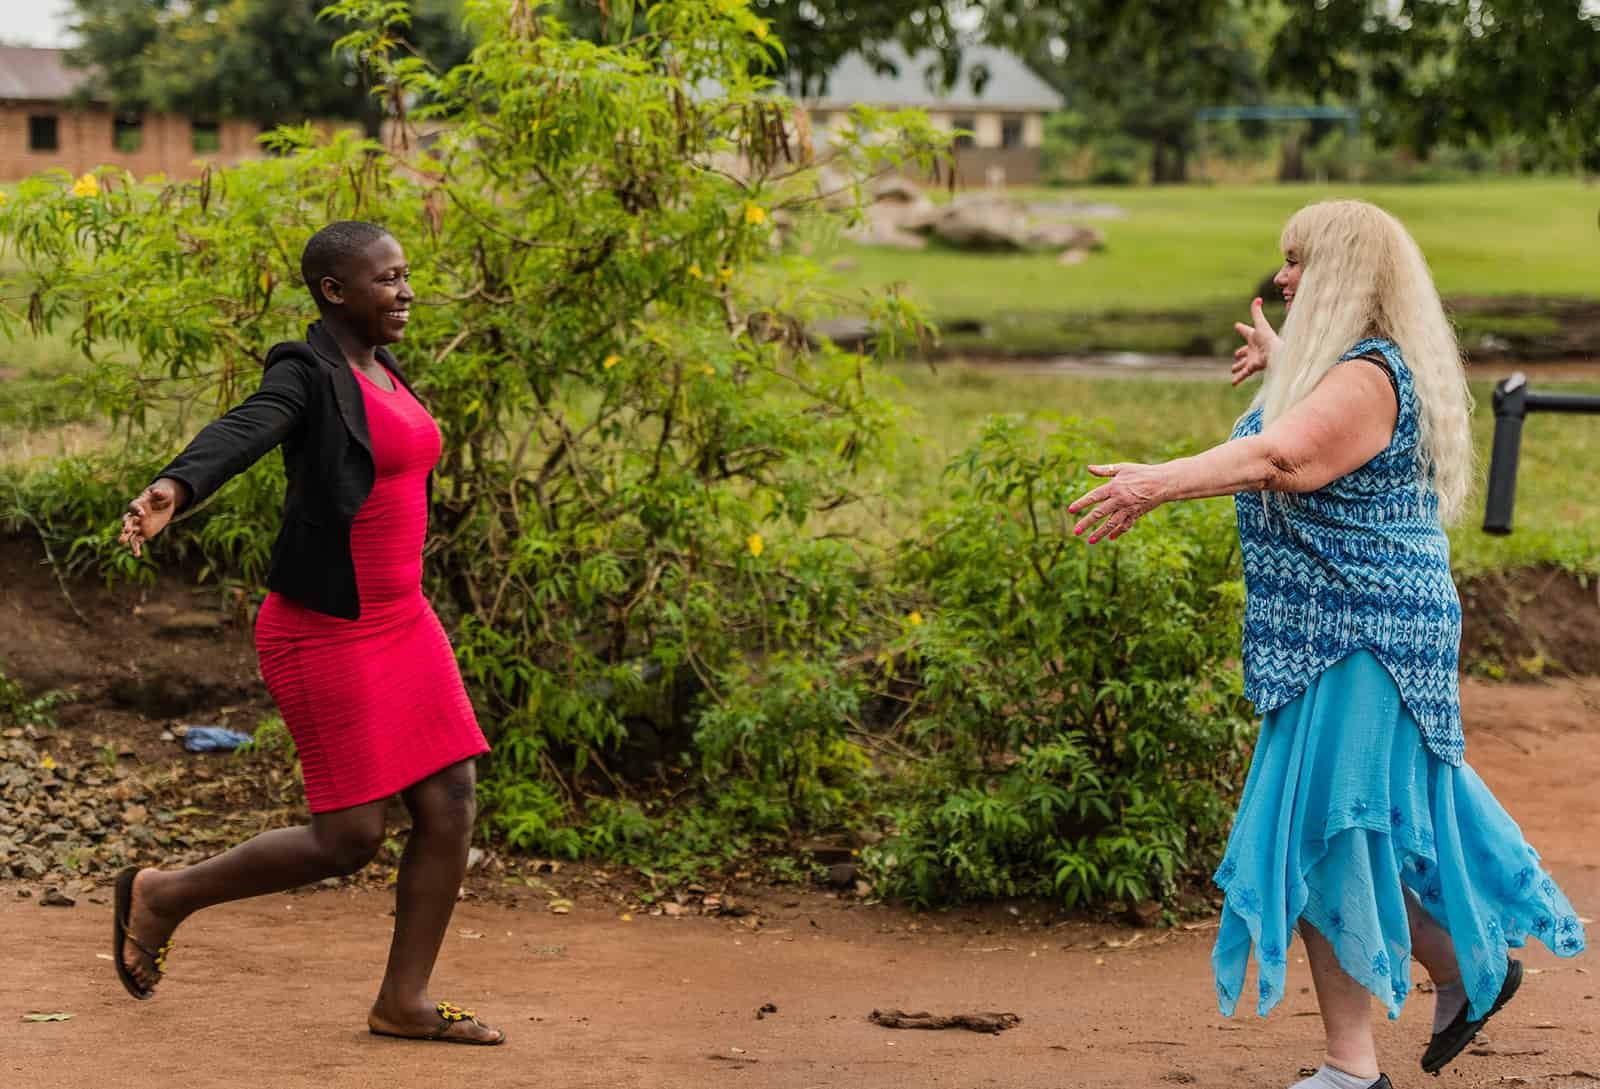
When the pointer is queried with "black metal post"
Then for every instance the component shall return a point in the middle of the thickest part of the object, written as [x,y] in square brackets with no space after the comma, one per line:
[1513,400]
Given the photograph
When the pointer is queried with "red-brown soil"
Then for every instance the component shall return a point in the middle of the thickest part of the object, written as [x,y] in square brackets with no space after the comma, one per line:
[273,992]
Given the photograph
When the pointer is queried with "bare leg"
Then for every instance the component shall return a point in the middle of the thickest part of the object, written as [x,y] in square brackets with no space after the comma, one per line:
[1430,943]
[1346,1009]
[335,843]
[435,860]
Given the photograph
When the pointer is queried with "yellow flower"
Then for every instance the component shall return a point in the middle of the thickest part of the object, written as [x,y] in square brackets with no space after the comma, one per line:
[708,370]
[611,361]
[694,270]
[725,273]
[49,762]
[757,546]
[914,618]
[761,32]
[3,198]
[86,186]
[755,215]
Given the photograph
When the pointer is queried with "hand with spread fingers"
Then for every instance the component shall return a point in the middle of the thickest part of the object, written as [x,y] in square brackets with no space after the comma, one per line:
[149,514]
[1260,339]
[1132,492]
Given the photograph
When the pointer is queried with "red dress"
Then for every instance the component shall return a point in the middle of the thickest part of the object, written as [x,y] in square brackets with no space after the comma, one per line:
[374,705]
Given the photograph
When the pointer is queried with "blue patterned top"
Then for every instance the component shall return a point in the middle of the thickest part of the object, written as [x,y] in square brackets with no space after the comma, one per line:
[1362,563]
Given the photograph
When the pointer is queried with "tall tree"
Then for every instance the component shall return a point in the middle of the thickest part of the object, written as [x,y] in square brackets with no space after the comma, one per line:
[1443,70]
[815,34]
[271,61]
[1143,69]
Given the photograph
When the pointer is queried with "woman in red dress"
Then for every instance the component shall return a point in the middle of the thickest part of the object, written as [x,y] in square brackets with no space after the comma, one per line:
[349,647]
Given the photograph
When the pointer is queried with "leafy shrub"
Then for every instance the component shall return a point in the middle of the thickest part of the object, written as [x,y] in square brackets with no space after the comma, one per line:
[638,435]
[17,708]
[1076,711]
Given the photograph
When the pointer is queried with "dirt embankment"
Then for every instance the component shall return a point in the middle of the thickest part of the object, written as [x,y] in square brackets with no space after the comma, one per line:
[139,660]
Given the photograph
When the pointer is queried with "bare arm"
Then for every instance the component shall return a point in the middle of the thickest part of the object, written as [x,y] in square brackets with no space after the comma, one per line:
[223,449]
[1345,423]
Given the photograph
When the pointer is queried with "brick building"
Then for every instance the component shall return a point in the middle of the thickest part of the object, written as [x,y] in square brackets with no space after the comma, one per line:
[43,124]
[1005,119]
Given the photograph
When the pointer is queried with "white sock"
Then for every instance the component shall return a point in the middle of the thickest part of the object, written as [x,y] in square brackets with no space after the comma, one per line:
[1448,1000]
[1331,1077]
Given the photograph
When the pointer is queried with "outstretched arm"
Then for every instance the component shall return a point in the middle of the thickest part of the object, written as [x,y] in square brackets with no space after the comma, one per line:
[223,449]
[1345,423]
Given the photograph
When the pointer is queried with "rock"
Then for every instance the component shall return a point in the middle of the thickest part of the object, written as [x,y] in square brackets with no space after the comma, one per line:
[898,190]
[55,898]
[987,224]
[193,623]
[475,858]
[842,875]
[1145,913]
[88,821]
[1072,257]
[1067,236]
[851,334]
[878,228]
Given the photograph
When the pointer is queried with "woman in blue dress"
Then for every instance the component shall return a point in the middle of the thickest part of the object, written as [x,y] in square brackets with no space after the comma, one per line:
[1360,826]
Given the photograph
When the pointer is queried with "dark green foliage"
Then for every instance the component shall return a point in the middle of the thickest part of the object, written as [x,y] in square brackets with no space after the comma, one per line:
[1077,710]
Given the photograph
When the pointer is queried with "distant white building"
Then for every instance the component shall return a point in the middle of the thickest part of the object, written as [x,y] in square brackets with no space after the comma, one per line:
[1004,120]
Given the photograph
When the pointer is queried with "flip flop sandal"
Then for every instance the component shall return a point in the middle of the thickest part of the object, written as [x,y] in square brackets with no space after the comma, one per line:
[449,1015]
[121,913]
[1450,1041]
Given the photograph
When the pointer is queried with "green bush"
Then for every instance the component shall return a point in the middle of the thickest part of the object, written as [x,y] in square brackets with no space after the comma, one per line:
[640,539]
[1076,711]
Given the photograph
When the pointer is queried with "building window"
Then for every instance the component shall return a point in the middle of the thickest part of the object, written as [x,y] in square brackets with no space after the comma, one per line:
[205,137]
[967,129]
[43,134]
[1011,132]
[127,133]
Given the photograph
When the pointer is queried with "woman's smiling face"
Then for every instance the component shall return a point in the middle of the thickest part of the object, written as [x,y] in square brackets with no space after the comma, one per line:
[1288,278]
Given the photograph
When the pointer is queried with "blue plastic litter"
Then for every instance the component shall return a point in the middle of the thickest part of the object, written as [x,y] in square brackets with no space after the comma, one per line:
[213,739]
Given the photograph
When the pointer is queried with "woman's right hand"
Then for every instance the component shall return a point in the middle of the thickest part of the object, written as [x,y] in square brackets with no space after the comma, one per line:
[149,514]
[1259,341]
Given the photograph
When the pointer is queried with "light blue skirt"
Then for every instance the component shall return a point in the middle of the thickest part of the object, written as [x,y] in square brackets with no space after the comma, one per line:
[1343,811]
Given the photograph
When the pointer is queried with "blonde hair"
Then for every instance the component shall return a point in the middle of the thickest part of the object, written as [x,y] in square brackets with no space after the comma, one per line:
[1362,275]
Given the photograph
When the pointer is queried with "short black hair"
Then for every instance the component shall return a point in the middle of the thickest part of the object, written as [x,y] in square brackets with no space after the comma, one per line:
[330,251]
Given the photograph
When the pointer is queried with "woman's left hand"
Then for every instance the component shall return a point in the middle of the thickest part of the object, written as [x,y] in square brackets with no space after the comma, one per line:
[1132,492]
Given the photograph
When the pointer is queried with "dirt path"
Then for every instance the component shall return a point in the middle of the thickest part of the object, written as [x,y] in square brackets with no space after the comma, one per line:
[273,992]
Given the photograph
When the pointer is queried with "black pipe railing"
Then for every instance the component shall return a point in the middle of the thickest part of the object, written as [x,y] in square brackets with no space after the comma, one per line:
[1513,400]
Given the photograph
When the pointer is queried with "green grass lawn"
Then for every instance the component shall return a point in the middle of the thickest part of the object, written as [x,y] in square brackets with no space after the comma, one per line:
[1557,512]
[1195,248]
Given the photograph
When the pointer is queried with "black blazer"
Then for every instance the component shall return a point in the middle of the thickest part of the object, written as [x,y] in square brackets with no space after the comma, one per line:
[310,404]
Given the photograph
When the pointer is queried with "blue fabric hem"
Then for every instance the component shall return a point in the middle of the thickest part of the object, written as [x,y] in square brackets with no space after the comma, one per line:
[1344,813]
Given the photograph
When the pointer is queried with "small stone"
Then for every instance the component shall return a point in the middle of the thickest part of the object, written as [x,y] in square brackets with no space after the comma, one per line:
[55,898]
[475,857]
[193,623]
[1145,913]
[842,875]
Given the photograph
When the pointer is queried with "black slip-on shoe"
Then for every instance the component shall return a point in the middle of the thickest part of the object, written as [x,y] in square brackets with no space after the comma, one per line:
[1454,1037]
